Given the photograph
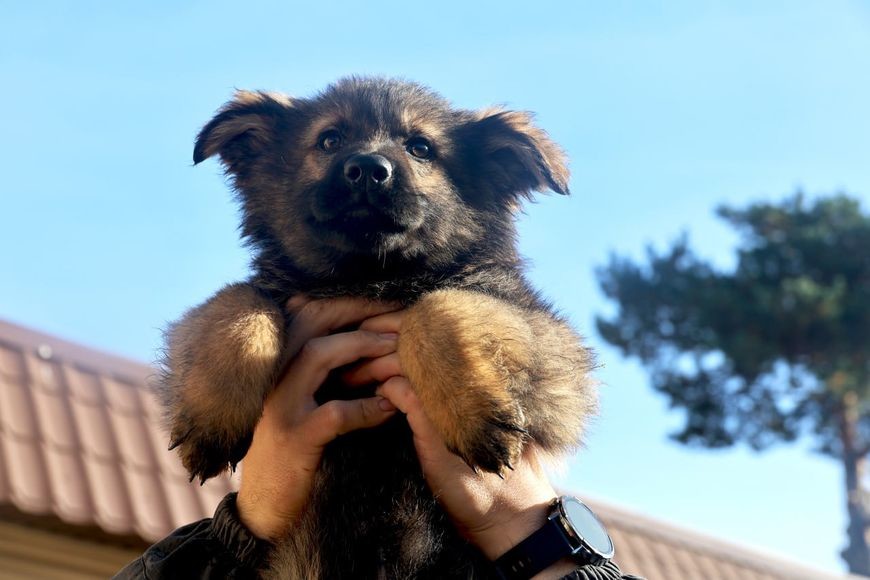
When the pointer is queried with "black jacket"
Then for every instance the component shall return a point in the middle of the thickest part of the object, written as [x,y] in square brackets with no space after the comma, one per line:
[221,547]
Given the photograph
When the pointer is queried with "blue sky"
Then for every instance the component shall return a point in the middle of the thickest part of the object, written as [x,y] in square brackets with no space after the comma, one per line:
[666,110]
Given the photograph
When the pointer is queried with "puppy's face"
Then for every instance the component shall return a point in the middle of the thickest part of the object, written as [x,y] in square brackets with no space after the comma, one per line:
[376,174]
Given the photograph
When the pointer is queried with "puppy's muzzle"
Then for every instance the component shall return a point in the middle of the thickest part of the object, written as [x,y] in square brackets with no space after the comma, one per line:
[367,172]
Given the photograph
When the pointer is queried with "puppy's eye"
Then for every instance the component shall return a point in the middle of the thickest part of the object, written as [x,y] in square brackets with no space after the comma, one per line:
[419,148]
[329,140]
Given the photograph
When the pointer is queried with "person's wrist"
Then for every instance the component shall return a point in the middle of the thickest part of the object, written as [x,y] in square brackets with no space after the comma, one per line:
[494,541]
[263,522]
[252,520]
[503,534]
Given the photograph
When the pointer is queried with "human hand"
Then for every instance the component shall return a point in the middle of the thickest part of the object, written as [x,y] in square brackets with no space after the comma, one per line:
[279,468]
[494,514]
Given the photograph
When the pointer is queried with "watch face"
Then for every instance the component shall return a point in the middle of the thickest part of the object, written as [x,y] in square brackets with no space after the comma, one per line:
[587,526]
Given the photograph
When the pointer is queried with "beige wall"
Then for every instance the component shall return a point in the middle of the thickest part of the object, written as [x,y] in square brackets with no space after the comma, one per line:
[26,553]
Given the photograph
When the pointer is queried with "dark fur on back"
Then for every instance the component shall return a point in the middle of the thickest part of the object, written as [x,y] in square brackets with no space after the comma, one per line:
[438,218]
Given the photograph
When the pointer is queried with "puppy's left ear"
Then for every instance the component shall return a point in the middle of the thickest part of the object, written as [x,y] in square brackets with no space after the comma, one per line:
[518,156]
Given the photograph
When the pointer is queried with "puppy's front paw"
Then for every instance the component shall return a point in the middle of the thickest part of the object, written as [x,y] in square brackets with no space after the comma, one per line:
[468,356]
[206,448]
[492,440]
[221,360]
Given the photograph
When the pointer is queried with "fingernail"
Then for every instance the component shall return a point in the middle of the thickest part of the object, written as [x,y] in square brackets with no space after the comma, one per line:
[390,335]
[386,405]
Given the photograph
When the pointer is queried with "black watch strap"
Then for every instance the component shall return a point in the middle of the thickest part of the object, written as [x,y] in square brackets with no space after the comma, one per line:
[545,547]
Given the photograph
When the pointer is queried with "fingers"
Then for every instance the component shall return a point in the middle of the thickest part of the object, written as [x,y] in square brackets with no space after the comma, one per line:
[400,393]
[373,371]
[389,322]
[312,318]
[336,418]
[320,355]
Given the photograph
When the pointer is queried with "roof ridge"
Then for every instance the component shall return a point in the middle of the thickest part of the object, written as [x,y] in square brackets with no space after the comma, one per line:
[83,357]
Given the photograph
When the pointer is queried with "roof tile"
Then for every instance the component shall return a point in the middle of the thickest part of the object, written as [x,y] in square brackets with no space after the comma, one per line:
[95,433]
[167,461]
[685,564]
[643,557]
[5,489]
[622,556]
[122,396]
[150,512]
[151,405]
[708,567]
[46,374]
[184,501]
[55,420]
[11,362]
[213,492]
[69,486]
[27,479]
[133,441]
[16,409]
[84,385]
[110,495]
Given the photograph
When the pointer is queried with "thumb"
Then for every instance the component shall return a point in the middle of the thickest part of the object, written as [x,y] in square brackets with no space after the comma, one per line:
[399,392]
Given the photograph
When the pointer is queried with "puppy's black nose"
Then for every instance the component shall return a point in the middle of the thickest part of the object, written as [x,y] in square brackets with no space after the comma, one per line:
[363,171]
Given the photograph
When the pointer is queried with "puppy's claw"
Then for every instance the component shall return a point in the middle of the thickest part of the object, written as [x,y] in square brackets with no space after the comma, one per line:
[496,449]
[176,441]
[508,426]
[207,455]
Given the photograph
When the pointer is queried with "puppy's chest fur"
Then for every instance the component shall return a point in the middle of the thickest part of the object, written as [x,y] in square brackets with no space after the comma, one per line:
[372,516]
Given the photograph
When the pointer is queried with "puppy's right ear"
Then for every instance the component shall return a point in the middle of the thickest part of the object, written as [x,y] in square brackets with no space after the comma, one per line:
[243,127]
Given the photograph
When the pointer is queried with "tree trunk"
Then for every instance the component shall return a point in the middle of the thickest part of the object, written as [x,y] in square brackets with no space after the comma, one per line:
[857,553]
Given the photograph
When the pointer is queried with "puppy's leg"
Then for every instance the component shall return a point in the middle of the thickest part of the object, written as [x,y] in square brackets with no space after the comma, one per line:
[491,375]
[220,362]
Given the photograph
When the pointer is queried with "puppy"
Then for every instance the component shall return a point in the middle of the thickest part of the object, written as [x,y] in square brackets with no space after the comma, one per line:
[379,188]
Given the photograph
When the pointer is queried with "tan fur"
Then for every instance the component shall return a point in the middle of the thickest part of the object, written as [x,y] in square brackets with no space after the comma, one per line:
[299,555]
[471,358]
[562,392]
[467,355]
[225,354]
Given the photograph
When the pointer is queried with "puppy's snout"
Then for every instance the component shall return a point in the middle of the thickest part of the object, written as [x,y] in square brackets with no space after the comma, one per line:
[362,171]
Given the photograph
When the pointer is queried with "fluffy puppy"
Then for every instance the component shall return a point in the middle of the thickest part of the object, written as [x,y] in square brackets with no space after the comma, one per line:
[379,188]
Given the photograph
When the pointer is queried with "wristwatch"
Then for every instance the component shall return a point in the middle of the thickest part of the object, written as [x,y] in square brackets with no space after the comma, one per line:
[572,530]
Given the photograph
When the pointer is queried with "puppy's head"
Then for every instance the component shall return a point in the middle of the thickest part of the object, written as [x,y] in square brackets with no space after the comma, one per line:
[377,174]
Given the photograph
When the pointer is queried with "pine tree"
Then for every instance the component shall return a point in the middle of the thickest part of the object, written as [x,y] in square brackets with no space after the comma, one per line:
[776,350]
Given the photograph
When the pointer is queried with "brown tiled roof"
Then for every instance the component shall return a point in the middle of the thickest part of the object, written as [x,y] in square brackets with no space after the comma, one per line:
[80,442]
[661,551]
